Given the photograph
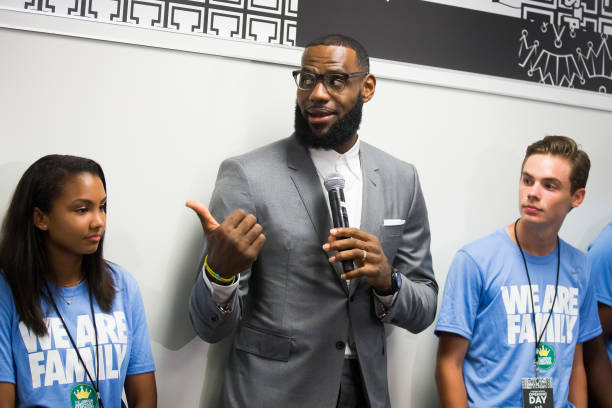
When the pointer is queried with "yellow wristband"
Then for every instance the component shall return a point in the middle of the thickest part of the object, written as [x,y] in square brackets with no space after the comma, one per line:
[214,274]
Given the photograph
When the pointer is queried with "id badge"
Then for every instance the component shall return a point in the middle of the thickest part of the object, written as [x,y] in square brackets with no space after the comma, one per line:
[537,392]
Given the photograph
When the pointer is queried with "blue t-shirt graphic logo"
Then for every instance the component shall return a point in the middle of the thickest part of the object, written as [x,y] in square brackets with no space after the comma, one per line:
[83,396]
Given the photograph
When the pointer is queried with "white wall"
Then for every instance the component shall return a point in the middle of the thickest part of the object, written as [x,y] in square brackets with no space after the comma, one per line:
[160,122]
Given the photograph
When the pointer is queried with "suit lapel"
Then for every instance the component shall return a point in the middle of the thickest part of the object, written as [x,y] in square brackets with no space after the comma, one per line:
[372,208]
[306,181]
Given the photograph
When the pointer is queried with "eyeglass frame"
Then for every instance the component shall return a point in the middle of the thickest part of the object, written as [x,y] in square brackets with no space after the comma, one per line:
[321,77]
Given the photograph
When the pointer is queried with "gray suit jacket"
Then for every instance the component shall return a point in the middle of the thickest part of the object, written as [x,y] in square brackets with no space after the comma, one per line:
[292,311]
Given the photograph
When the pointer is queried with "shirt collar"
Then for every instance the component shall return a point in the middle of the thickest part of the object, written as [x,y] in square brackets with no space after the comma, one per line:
[326,161]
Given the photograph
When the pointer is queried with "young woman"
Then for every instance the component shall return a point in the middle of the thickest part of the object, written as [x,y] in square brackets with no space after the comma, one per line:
[73,331]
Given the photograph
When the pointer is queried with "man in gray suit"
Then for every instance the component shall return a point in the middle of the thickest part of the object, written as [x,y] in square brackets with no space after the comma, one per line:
[308,334]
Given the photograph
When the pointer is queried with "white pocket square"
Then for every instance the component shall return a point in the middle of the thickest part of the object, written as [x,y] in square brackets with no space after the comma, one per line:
[391,222]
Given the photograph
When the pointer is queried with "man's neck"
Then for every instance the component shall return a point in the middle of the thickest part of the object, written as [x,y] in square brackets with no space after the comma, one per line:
[535,240]
[347,146]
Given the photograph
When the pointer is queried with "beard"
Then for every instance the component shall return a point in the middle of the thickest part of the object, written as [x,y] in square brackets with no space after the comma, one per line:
[339,133]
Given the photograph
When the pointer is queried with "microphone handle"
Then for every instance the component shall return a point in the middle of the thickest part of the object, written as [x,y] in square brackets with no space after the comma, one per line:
[340,219]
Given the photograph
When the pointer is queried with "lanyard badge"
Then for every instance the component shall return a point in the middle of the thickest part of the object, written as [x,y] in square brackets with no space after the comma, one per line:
[537,392]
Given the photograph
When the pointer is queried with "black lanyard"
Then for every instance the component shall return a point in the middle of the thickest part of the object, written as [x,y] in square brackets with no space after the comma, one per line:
[538,340]
[96,385]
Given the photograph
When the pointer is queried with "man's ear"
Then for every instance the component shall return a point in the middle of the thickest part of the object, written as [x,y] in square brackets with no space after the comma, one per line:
[40,219]
[578,197]
[367,87]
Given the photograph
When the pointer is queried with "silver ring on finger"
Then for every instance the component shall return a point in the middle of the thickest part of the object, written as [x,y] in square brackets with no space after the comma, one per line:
[365,255]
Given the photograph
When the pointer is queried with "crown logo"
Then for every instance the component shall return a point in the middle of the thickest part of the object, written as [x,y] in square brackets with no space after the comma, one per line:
[81,393]
[543,352]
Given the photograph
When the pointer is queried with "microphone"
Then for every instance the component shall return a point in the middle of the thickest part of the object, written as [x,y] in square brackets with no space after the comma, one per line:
[334,184]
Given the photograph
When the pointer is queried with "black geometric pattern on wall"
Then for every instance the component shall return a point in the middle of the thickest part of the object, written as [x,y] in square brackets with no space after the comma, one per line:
[267,21]
[567,44]
[590,15]
[563,42]
[560,43]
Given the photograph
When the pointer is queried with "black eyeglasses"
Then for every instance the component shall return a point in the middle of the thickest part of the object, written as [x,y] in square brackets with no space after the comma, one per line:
[333,81]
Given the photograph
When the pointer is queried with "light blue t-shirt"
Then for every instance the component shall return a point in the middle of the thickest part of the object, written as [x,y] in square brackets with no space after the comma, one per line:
[600,254]
[47,371]
[487,301]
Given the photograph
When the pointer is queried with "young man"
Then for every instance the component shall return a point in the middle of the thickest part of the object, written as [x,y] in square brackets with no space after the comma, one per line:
[491,354]
[308,333]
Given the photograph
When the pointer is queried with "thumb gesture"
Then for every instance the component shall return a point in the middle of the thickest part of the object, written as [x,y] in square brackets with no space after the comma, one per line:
[209,224]
[233,245]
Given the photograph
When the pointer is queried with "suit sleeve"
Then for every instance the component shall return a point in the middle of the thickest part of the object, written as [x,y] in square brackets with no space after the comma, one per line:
[415,305]
[210,321]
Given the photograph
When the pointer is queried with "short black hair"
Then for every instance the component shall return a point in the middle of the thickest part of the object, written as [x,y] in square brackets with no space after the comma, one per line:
[342,40]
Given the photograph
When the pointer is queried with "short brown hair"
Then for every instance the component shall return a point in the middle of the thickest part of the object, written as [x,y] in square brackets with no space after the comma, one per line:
[567,148]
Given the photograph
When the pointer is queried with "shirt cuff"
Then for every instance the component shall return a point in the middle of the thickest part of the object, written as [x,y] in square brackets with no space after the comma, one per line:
[386,300]
[220,294]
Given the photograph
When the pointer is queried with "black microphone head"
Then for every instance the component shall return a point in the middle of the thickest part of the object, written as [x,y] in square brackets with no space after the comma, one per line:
[334,181]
